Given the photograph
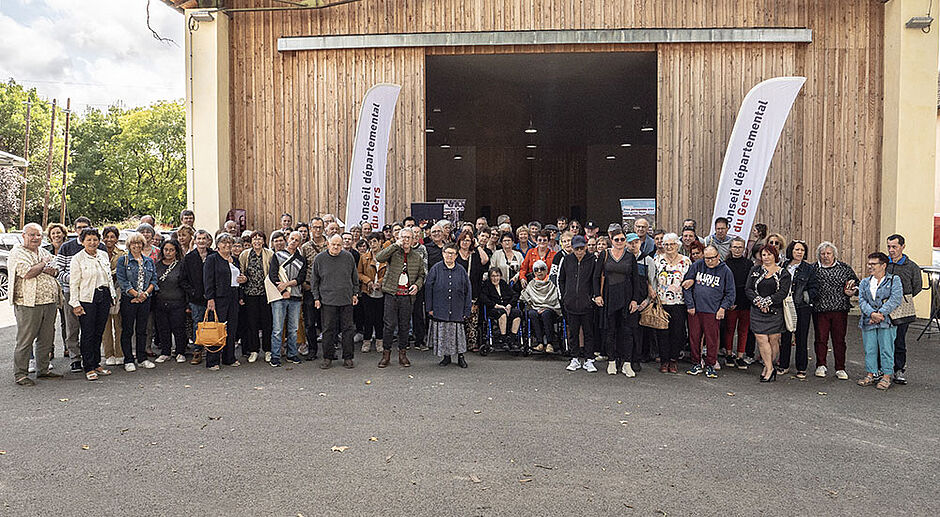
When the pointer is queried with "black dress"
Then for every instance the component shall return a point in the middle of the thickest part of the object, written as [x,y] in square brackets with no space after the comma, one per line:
[776,288]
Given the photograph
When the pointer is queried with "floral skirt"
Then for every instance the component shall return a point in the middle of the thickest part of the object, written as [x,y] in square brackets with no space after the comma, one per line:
[447,338]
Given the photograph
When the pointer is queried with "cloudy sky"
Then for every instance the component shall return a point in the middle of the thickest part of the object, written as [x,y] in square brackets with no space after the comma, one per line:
[98,52]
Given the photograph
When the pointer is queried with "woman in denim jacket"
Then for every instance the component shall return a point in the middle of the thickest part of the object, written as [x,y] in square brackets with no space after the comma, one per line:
[878,295]
[137,278]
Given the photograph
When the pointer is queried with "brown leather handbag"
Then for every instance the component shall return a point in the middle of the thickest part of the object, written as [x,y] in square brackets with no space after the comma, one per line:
[211,334]
[654,316]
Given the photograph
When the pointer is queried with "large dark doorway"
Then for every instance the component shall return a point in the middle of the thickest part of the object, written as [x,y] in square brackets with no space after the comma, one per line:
[593,117]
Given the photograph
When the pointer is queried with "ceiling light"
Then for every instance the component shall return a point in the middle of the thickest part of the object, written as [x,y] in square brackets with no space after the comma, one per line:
[611,157]
[530,146]
[531,130]
[636,108]
[458,157]
[626,144]
[429,130]
[530,157]
[618,126]
[451,128]
[445,146]
[435,110]
[647,128]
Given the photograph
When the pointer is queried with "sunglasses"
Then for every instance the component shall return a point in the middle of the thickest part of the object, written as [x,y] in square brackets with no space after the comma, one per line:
[618,239]
[540,269]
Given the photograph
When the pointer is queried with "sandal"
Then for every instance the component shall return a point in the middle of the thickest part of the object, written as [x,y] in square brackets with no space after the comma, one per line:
[92,375]
[867,380]
[102,371]
[884,383]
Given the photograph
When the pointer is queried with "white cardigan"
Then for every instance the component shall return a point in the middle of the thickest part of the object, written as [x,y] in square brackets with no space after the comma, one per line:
[87,273]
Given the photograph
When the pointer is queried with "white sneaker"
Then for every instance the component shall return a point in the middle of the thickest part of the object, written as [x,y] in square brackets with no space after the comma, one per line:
[162,359]
[379,347]
[628,370]
[129,367]
[821,371]
[252,357]
[32,366]
[574,365]
[118,361]
[611,368]
[365,346]
[267,357]
[589,366]
[148,364]
[841,375]
[110,361]
[181,358]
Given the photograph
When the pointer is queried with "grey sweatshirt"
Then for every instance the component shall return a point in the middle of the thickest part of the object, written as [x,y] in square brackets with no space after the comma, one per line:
[334,280]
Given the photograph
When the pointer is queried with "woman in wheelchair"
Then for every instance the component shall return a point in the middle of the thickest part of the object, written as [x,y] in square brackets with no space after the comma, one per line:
[543,307]
[500,302]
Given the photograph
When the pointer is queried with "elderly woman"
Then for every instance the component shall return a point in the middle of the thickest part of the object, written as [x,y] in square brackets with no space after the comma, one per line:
[803,288]
[507,259]
[671,268]
[111,340]
[185,235]
[169,303]
[543,306]
[618,290]
[878,295]
[524,240]
[222,279]
[836,282]
[767,285]
[149,234]
[500,302]
[255,262]
[447,294]
[91,296]
[136,275]
[371,276]
[192,283]
[473,259]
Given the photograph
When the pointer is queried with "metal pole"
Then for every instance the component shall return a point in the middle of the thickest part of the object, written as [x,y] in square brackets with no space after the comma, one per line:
[29,105]
[45,205]
[65,159]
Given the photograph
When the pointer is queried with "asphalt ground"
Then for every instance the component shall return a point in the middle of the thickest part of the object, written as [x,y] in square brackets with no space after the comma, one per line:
[507,436]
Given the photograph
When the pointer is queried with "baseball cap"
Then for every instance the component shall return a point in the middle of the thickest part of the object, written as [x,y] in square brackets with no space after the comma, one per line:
[632,237]
[578,241]
[590,225]
[550,227]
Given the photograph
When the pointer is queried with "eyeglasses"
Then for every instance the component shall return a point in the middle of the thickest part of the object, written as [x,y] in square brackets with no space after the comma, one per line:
[712,258]
[670,244]
[619,239]
[873,264]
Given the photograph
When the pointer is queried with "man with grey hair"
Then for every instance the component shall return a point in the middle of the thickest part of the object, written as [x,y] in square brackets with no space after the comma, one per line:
[34,294]
[836,282]
[334,284]
[287,270]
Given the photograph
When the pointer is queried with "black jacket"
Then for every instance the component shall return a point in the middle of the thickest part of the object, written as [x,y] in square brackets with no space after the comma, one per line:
[490,298]
[191,278]
[217,278]
[575,280]
[740,268]
[803,283]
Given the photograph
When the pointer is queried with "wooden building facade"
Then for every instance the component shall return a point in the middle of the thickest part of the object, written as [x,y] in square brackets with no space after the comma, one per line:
[293,113]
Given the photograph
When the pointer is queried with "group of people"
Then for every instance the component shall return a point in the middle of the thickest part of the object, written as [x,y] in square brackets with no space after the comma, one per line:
[312,289]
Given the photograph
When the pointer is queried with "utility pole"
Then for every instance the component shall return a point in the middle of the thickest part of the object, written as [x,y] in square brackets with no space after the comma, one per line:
[29,105]
[45,206]
[65,159]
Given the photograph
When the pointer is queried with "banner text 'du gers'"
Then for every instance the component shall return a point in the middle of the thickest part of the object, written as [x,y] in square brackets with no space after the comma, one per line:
[756,131]
[365,199]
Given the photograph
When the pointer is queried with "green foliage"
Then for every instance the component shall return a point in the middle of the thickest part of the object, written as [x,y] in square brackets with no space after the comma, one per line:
[122,162]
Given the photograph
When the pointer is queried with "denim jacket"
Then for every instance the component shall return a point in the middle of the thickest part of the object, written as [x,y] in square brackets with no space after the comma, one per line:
[127,268]
[888,297]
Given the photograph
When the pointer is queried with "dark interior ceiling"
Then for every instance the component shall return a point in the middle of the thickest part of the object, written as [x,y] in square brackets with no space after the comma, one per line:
[572,99]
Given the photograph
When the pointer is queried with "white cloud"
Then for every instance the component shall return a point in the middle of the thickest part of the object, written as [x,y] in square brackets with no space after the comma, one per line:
[97,52]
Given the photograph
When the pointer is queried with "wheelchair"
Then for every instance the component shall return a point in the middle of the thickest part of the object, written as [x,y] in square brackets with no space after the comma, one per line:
[560,343]
[519,344]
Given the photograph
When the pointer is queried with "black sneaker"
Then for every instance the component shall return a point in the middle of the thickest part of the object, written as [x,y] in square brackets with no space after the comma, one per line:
[275,363]
[76,367]
[294,360]
[899,377]
[731,362]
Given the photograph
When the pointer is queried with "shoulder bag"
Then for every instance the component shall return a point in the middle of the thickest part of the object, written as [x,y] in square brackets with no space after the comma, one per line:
[789,306]
[906,312]
[654,316]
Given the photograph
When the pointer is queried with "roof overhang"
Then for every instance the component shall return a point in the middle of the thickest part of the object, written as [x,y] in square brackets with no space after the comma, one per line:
[12,160]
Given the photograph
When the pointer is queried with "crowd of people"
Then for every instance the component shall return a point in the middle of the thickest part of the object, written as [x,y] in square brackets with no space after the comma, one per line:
[310,290]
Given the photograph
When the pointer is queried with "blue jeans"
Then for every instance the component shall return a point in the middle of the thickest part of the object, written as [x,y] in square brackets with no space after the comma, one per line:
[879,343]
[288,310]
[198,313]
